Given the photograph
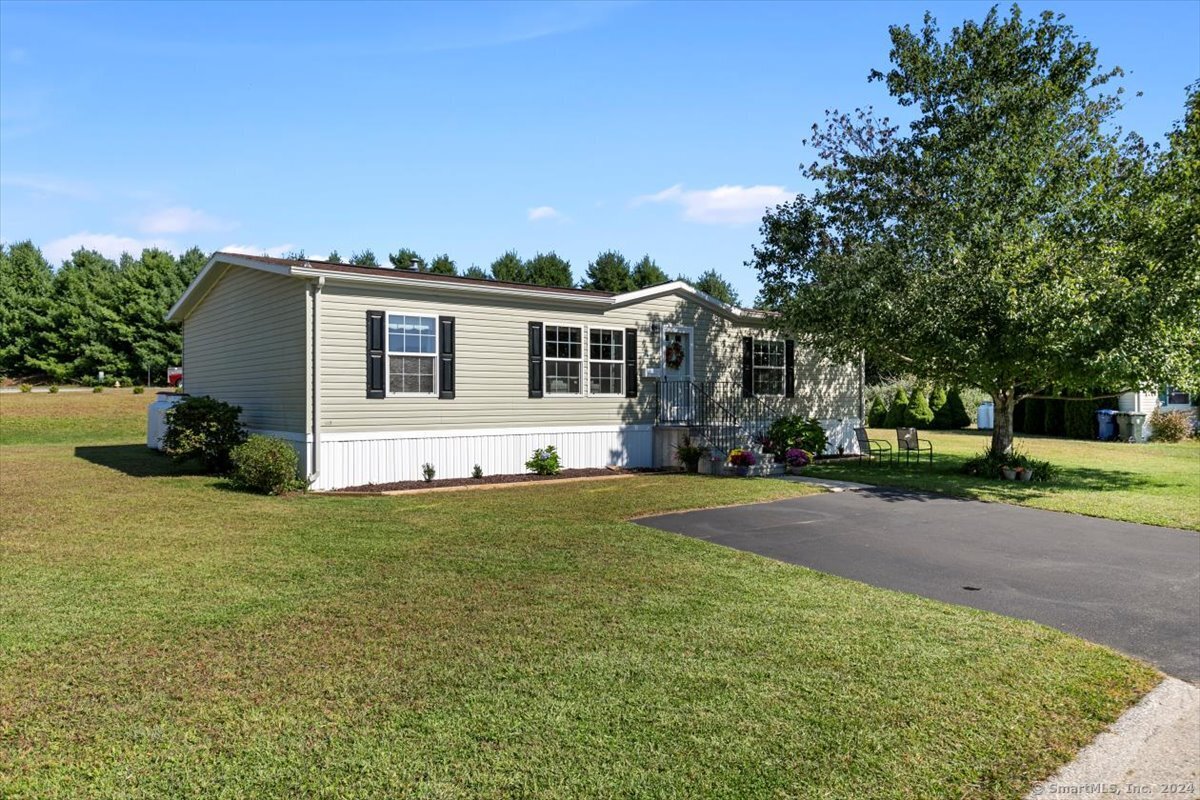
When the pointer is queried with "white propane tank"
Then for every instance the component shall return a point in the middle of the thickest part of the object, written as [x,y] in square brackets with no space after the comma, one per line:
[985,417]
[156,418]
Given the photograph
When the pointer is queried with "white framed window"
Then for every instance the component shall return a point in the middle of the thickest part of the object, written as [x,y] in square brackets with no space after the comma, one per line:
[411,354]
[1174,396]
[768,367]
[564,359]
[606,361]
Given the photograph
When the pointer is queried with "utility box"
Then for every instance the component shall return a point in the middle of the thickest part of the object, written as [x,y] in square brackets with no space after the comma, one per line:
[156,418]
[985,416]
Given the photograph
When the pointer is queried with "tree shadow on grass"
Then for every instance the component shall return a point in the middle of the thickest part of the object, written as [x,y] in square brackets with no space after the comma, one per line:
[135,460]
[899,482]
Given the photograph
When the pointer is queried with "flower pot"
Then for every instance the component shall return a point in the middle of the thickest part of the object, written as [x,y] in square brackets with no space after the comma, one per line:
[1009,474]
[1027,475]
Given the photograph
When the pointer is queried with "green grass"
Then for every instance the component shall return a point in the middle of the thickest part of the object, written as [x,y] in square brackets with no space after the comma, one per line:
[163,637]
[1158,484]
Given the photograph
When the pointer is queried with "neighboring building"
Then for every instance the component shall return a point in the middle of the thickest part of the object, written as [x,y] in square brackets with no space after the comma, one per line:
[1168,398]
[372,372]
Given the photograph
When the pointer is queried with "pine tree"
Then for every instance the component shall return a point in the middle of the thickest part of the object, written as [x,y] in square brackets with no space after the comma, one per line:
[937,401]
[609,273]
[443,265]
[647,273]
[26,286]
[509,267]
[549,269]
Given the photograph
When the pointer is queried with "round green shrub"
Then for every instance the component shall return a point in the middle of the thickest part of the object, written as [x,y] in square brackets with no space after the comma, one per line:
[204,429]
[54,388]
[795,431]
[97,389]
[877,415]
[26,388]
[266,465]
[139,390]
[897,414]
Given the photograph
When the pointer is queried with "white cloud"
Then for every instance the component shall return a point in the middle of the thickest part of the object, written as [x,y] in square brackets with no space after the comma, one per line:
[724,205]
[180,219]
[278,251]
[544,212]
[107,244]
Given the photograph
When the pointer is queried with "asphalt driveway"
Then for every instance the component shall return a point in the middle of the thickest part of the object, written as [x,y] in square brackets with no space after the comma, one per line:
[1135,588]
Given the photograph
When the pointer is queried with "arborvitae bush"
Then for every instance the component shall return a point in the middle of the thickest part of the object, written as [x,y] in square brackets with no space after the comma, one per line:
[1054,423]
[897,413]
[877,415]
[919,414]
[1079,419]
[937,401]
[1035,415]
[955,412]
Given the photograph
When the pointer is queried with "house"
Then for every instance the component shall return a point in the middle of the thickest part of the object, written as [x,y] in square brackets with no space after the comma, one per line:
[1168,398]
[372,372]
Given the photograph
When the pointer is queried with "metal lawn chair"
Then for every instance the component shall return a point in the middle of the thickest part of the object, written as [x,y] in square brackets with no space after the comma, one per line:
[872,449]
[909,441]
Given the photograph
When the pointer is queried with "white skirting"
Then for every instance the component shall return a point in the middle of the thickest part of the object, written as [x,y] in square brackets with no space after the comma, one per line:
[356,459]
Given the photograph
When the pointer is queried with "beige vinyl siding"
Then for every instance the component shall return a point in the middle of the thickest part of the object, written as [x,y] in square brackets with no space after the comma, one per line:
[245,343]
[492,361]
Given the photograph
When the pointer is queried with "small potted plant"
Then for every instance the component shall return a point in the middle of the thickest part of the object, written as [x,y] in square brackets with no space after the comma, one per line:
[797,459]
[688,454]
[742,460]
[1010,473]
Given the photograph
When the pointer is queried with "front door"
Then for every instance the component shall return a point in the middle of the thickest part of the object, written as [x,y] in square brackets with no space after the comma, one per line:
[678,401]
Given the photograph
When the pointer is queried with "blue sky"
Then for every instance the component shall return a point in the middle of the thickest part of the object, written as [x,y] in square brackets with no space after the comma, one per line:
[660,128]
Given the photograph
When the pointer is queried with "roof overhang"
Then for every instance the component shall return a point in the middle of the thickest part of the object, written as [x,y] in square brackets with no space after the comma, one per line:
[216,267]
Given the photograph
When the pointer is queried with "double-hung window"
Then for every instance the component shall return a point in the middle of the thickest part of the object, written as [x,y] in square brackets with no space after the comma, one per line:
[768,367]
[412,354]
[606,360]
[564,359]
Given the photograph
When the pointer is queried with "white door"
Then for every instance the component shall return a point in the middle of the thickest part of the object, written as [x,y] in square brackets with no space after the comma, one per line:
[678,397]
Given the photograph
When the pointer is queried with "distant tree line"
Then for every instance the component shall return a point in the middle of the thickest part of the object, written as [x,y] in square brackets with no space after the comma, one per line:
[608,272]
[93,314]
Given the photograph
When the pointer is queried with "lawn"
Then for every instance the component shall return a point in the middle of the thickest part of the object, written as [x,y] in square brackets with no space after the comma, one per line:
[161,636]
[1158,484]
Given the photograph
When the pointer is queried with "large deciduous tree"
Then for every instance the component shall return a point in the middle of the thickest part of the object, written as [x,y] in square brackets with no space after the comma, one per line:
[995,242]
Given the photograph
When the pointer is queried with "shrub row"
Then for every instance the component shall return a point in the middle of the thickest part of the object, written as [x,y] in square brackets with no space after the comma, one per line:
[1061,416]
[940,410]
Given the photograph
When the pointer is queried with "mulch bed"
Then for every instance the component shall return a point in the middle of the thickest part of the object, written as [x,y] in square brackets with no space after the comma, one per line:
[527,477]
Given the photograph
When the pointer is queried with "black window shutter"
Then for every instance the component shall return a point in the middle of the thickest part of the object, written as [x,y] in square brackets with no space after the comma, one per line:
[376,353]
[789,371]
[535,359]
[446,358]
[631,376]
[747,366]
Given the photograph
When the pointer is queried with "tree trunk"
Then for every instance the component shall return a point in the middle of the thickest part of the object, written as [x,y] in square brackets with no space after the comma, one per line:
[1002,426]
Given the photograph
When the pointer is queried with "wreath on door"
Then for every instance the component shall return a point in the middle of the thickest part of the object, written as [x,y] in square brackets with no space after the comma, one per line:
[674,355]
